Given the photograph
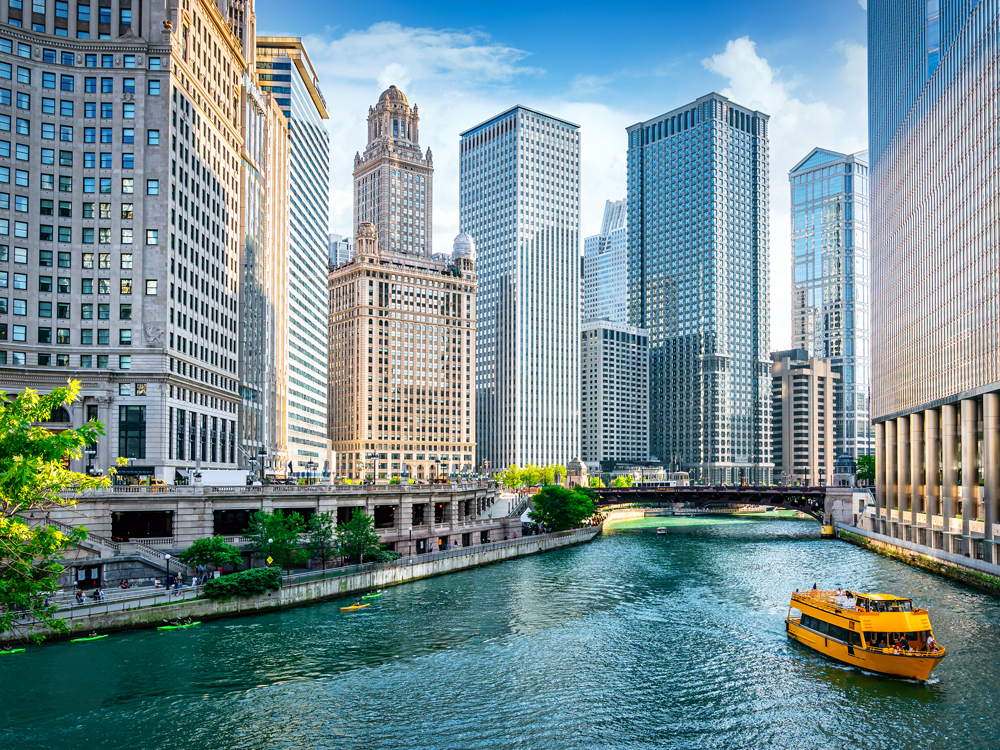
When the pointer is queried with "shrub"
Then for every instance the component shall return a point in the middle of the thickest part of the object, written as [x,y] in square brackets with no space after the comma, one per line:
[383,556]
[245,583]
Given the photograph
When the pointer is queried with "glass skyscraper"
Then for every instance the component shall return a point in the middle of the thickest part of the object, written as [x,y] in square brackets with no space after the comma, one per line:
[933,71]
[287,73]
[830,295]
[605,267]
[520,202]
[698,253]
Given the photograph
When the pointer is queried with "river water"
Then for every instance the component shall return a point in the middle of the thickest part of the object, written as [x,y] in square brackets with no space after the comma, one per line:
[632,641]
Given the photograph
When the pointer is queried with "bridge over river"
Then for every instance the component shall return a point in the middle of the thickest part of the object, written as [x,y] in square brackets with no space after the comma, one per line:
[808,500]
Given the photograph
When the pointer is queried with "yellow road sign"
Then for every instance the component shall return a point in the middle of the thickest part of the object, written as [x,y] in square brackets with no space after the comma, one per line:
[270,559]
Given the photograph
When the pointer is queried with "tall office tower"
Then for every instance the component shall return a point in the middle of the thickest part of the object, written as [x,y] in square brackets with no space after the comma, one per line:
[698,281]
[287,74]
[830,265]
[520,201]
[341,250]
[126,276]
[802,410]
[402,329]
[935,170]
[605,267]
[614,390]
[393,186]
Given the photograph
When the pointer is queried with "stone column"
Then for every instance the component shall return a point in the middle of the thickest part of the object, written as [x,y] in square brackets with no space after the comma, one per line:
[991,466]
[916,470]
[880,475]
[902,471]
[932,480]
[106,454]
[891,477]
[970,468]
[949,468]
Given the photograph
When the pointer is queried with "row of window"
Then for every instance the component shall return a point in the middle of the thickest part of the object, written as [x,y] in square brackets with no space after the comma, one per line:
[67,106]
[19,333]
[46,207]
[90,184]
[20,281]
[87,234]
[63,312]
[62,360]
[23,127]
[22,152]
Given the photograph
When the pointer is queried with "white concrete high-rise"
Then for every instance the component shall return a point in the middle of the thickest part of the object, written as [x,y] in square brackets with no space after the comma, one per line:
[520,202]
[287,74]
[605,267]
[341,250]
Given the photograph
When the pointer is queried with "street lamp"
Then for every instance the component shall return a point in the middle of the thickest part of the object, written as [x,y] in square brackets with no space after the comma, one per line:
[269,543]
[410,547]
[167,558]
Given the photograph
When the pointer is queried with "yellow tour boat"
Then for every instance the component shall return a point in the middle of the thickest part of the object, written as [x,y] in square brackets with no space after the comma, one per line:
[877,632]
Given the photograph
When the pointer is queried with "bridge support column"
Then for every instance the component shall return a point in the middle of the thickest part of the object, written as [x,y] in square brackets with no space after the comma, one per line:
[949,470]
[932,475]
[970,470]
[902,473]
[890,474]
[916,473]
[879,476]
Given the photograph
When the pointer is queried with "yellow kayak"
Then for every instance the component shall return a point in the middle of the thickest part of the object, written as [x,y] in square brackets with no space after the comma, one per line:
[354,606]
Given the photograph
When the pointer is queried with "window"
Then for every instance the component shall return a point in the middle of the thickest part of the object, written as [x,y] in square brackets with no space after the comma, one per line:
[66,82]
[23,101]
[154,88]
[20,255]
[125,18]
[125,337]
[103,336]
[126,236]
[5,204]
[88,185]
[48,131]
[64,287]
[89,160]
[103,287]
[21,230]
[128,61]
[87,311]
[45,334]
[87,360]
[126,210]
[24,127]
[65,209]
[128,135]
[151,287]
[105,160]
[127,185]
[21,152]
[63,259]
[48,106]
[48,55]
[104,238]
[21,178]
[62,335]
[90,82]
[125,363]
[103,311]
[45,258]
[90,109]
[5,97]
[83,14]
[106,135]
[154,63]
[107,110]
[88,210]
[128,161]
[152,236]
[21,203]
[65,132]
[45,285]
[88,260]
[126,286]
[102,361]
[48,156]
[153,137]
[105,184]
[5,122]
[86,286]
[65,184]
[44,207]
[107,61]
[152,187]
[125,311]
[105,210]
[24,76]
[45,235]
[128,85]
[62,11]
[5,174]
[131,428]
[19,333]
[65,108]
[90,135]
[128,111]
[65,235]
[126,260]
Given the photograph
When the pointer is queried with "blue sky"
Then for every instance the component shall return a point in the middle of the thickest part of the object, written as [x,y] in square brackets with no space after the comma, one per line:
[596,64]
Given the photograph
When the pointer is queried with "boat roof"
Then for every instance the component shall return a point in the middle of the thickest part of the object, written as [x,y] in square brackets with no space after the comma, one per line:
[884,597]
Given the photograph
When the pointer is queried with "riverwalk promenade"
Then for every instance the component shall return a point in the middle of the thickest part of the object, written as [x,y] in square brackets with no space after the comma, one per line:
[150,607]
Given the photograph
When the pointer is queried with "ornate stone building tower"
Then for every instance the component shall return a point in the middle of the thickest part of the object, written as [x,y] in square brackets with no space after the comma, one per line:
[393,186]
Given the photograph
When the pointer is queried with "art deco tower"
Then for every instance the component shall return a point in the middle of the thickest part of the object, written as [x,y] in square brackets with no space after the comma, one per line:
[392,179]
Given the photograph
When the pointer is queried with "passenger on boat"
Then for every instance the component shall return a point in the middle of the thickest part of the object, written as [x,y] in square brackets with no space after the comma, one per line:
[931,643]
[904,644]
[881,642]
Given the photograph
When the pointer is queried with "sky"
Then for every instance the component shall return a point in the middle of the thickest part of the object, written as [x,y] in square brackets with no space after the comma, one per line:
[600,65]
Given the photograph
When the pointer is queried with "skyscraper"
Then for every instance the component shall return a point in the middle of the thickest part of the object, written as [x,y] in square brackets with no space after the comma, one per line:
[520,199]
[698,242]
[802,418]
[393,186]
[605,267]
[127,277]
[341,250]
[288,75]
[932,78]
[830,271]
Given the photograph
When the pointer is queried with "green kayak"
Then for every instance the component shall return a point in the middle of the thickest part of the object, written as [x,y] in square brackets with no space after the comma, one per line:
[88,638]
[179,627]
[13,651]
[372,596]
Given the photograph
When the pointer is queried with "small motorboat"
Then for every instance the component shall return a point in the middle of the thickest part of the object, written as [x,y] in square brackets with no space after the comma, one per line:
[353,607]
[661,530]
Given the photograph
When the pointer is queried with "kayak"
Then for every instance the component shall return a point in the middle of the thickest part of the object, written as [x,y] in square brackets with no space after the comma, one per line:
[13,651]
[88,638]
[372,596]
[354,606]
[179,627]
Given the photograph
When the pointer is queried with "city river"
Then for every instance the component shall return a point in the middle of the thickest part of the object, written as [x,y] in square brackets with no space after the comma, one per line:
[632,641]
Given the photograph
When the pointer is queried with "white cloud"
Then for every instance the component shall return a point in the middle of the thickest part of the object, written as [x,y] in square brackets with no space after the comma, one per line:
[863,4]
[796,127]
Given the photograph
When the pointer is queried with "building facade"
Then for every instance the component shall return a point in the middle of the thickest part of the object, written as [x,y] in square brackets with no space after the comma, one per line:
[341,250]
[802,418]
[520,202]
[393,185]
[831,271]
[605,267]
[614,393]
[120,266]
[698,254]
[402,329]
[935,170]
[286,74]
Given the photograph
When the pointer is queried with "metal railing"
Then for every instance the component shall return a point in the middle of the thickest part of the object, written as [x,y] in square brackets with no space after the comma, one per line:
[284,489]
[143,598]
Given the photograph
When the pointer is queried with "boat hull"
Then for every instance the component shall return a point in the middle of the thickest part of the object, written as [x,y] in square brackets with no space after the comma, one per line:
[913,665]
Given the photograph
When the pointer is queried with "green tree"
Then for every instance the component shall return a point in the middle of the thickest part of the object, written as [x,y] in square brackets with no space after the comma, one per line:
[623,481]
[548,475]
[561,471]
[212,551]
[277,535]
[866,469]
[531,475]
[358,538]
[323,537]
[558,508]
[32,476]
[596,482]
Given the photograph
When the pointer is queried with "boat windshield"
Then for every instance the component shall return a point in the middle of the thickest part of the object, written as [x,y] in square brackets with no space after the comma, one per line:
[893,605]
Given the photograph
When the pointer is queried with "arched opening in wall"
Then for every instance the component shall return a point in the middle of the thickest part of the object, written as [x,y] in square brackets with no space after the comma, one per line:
[420,472]
[59,414]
